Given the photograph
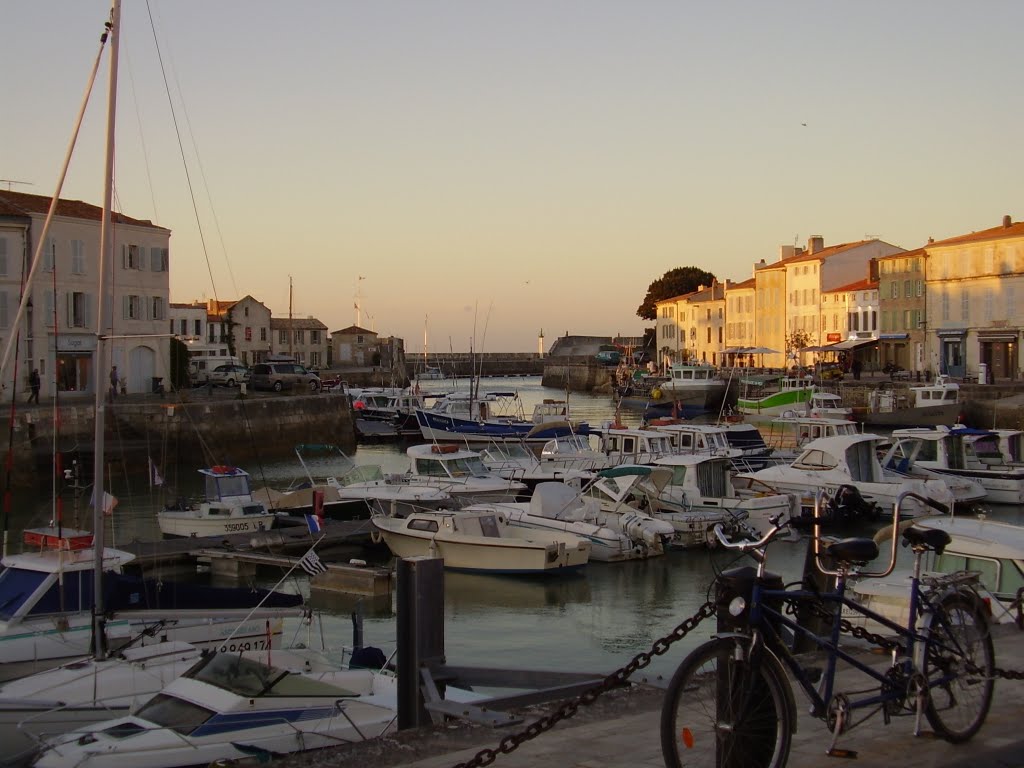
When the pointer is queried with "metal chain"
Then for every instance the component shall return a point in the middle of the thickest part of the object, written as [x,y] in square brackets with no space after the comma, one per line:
[616,679]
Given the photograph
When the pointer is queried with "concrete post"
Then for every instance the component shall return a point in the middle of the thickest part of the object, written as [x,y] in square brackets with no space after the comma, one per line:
[420,628]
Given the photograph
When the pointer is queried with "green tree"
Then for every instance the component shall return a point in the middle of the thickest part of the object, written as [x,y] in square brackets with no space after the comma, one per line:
[795,341]
[179,364]
[675,282]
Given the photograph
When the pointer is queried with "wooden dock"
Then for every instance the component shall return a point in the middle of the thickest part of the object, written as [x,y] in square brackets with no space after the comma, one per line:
[239,555]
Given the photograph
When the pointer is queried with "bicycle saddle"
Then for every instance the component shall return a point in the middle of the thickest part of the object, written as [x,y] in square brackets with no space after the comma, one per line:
[853,551]
[929,538]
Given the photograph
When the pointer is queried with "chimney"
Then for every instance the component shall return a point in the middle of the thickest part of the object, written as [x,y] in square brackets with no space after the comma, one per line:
[760,265]
[930,240]
[815,244]
[1007,221]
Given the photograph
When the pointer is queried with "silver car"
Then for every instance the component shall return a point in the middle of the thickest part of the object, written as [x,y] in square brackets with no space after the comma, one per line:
[229,375]
[281,376]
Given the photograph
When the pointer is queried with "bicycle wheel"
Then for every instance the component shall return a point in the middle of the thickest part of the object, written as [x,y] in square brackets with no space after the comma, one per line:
[959,666]
[722,712]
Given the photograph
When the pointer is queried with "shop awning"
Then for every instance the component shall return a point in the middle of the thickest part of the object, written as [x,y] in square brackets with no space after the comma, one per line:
[848,344]
[893,336]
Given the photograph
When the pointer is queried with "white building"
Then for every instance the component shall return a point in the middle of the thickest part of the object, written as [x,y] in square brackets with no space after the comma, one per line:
[59,332]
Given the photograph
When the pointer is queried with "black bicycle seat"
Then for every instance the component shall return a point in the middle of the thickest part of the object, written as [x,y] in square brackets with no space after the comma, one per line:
[853,551]
[929,538]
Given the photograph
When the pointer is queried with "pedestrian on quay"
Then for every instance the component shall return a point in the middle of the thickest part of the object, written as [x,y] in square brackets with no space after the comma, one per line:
[113,383]
[33,383]
[856,368]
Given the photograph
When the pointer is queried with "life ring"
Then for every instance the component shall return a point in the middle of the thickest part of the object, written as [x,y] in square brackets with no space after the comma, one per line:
[656,394]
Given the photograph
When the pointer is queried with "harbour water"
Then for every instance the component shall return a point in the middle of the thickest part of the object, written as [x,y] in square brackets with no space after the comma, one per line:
[594,622]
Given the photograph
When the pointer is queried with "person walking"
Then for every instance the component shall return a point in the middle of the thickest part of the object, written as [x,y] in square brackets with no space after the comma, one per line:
[856,367]
[33,383]
[113,383]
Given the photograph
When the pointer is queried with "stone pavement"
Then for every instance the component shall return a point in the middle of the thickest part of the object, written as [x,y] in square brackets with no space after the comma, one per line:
[615,739]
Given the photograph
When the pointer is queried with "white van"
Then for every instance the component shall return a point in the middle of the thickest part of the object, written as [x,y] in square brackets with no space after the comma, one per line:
[199,367]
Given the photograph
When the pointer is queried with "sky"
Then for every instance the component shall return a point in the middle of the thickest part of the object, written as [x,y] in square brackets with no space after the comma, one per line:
[479,172]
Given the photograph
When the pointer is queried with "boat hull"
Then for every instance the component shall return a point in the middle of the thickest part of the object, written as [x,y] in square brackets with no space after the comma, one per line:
[186,524]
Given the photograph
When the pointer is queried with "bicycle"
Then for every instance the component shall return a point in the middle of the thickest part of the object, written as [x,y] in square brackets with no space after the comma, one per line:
[731,704]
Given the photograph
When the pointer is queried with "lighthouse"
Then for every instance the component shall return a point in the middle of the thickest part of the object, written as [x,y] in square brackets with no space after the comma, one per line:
[540,344]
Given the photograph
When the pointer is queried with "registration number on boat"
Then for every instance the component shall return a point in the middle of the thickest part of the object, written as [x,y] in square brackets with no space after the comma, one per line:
[246,645]
[236,526]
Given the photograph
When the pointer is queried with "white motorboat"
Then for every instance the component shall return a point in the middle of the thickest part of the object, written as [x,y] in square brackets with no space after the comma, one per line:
[490,416]
[395,495]
[932,403]
[703,484]
[483,541]
[996,447]
[693,389]
[46,604]
[574,452]
[688,438]
[626,534]
[830,462]
[828,405]
[944,450]
[514,461]
[630,445]
[229,707]
[460,473]
[789,434]
[228,507]
[991,549]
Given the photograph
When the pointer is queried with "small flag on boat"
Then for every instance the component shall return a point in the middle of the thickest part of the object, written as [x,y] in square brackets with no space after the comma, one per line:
[312,564]
[315,523]
[109,502]
[154,475]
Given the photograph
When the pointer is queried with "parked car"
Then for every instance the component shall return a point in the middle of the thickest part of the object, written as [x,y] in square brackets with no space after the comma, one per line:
[280,376]
[608,357]
[229,375]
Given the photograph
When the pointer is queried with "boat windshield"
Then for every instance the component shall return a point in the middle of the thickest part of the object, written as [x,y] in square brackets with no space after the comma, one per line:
[222,486]
[19,585]
[366,473]
[239,675]
[174,713]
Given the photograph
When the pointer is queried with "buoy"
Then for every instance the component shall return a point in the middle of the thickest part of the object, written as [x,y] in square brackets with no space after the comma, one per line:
[656,394]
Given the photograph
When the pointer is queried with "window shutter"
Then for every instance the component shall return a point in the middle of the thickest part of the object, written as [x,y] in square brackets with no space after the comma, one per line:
[165,260]
[124,256]
[4,320]
[154,259]
[48,308]
[87,310]
[3,255]
[142,258]
[126,304]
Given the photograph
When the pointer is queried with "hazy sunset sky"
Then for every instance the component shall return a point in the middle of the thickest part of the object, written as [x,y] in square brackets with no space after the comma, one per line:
[502,167]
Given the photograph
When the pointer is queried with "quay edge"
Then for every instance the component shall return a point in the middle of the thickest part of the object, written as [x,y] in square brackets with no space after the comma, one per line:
[197,428]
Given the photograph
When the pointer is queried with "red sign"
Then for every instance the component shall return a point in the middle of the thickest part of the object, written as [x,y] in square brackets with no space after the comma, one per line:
[834,337]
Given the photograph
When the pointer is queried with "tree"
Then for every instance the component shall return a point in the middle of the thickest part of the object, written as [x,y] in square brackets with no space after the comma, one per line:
[675,282]
[795,341]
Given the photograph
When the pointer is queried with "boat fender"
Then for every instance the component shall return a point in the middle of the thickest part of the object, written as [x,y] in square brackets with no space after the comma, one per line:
[656,393]
[375,536]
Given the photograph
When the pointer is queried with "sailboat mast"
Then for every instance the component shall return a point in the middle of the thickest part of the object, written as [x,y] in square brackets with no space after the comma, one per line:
[102,359]
[291,330]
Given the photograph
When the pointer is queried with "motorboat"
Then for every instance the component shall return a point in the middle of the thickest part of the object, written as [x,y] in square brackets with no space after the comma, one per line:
[791,432]
[390,494]
[228,507]
[483,540]
[828,405]
[623,534]
[929,404]
[830,462]
[691,389]
[704,484]
[996,447]
[460,473]
[46,600]
[387,412]
[229,707]
[574,452]
[989,549]
[755,452]
[486,417]
[632,445]
[514,461]
[692,439]
[773,395]
[944,450]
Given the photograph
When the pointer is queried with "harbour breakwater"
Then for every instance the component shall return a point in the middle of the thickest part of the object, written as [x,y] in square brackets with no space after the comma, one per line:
[202,430]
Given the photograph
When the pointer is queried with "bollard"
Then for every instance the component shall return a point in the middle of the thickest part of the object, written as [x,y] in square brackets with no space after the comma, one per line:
[357,626]
[420,628]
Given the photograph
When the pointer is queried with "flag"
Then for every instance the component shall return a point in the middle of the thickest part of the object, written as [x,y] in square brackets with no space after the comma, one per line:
[312,564]
[109,502]
[154,475]
[315,523]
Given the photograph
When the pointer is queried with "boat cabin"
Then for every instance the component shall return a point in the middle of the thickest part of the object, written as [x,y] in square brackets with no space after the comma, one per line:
[227,484]
[689,373]
[446,461]
[940,392]
[700,439]
[634,446]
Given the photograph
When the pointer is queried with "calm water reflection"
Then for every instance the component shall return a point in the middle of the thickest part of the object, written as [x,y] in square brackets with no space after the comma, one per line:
[595,621]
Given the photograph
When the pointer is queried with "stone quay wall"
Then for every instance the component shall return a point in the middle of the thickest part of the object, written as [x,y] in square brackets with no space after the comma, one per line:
[204,431]
[579,376]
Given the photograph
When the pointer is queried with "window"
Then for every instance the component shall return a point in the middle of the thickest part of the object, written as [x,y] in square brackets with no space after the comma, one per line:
[132,307]
[50,254]
[965,305]
[314,337]
[248,331]
[5,320]
[263,334]
[709,335]
[78,257]
[182,326]
[360,339]
[990,301]
[945,306]
[158,259]
[282,337]
[906,319]
[907,289]
[300,337]
[1011,302]
[246,312]
[157,307]
[131,257]
[919,288]
[79,306]
[198,330]
[3,255]
[314,358]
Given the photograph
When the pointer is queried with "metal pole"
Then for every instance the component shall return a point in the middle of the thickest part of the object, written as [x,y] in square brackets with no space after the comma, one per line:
[420,628]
